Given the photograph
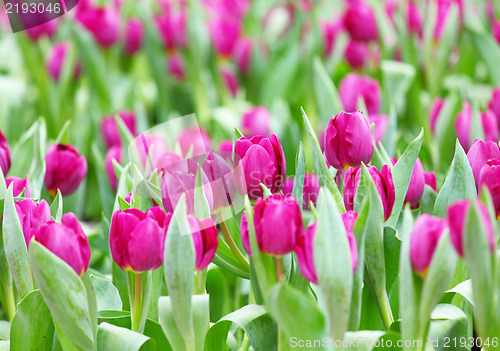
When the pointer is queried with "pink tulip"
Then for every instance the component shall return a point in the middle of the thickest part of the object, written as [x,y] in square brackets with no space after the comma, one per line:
[4,154]
[196,139]
[414,18]
[114,153]
[205,239]
[47,29]
[134,32]
[330,31]
[110,131]
[417,184]
[352,87]
[176,66]
[230,80]
[495,30]
[436,107]
[150,148]
[221,180]
[224,33]
[172,29]
[256,122]
[312,185]
[32,215]
[56,60]
[65,169]
[356,53]
[242,54]
[490,177]
[360,22]
[430,180]
[226,146]
[381,123]
[479,153]
[463,125]
[102,22]
[494,104]
[228,8]
[19,185]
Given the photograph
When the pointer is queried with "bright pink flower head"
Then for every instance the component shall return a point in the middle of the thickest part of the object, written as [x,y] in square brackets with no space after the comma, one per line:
[457,214]
[312,185]
[65,169]
[4,154]
[494,104]
[150,148]
[196,139]
[352,87]
[463,125]
[330,31]
[176,66]
[263,162]
[490,177]
[383,183]
[67,241]
[417,184]
[348,140]
[137,239]
[56,60]
[381,123]
[102,22]
[19,185]
[242,54]
[205,239]
[110,131]
[360,22]
[495,30]
[305,247]
[228,8]
[134,33]
[172,29]
[32,215]
[436,107]
[430,180]
[479,153]
[47,29]
[220,176]
[114,153]
[443,9]
[424,240]
[230,80]
[224,33]
[356,53]
[226,146]
[256,121]
[414,18]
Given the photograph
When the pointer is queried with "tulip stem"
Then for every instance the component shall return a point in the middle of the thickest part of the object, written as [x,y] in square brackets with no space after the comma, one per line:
[137,307]
[10,302]
[232,245]
[279,269]
[202,278]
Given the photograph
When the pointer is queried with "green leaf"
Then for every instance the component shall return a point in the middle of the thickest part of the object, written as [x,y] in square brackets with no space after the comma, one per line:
[397,78]
[201,206]
[327,96]
[459,183]
[445,129]
[56,208]
[448,328]
[107,295]
[64,294]
[464,289]
[110,337]
[32,327]
[15,246]
[370,340]
[300,170]
[488,50]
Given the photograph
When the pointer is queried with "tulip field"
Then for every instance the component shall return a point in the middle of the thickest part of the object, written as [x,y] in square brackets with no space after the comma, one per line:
[214,175]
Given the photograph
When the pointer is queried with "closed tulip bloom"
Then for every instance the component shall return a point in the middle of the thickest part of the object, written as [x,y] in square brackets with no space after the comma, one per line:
[495,30]
[230,80]
[224,33]
[381,123]
[47,29]
[490,177]
[417,184]
[430,180]
[423,241]
[176,66]
[242,54]
[134,32]
[4,154]
[226,146]
[110,131]
[172,29]
[67,241]
[137,239]
[305,247]
[414,18]
[114,153]
[494,104]
[102,22]
[195,139]
[257,121]
[457,214]
[383,183]
[149,148]
[479,153]
[330,31]
[19,185]
[353,86]
[221,180]
[205,239]
[443,8]
[32,215]
[356,53]
[311,188]
[166,160]
[56,60]
[436,107]
[65,169]
[360,22]
[263,162]
[348,140]
[463,125]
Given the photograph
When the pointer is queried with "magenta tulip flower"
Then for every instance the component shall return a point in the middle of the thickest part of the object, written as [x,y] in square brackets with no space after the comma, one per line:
[19,185]
[330,31]
[352,87]
[226,146]
[230,79]
[221,180]
[417,184]
[423,241]
[312,185]
[110,131]
[356,53]
[172,29]
[263,162]
[176,66]
[224,33]
[457,214]
[47,29]
[32,215]
[67,241]
[383,183]
[348,140]
[430,180]
[257,121]
[479,153]
[196,139]
[494,104]
[242,54]
[414,18]
[4,154]
[65,169]
[114,153]
[463,125]
[490,177]
[381,123]
[134,32]
[149,148]
[137,239]
[102,22]
[205,239]
[436,107]
[305,247]
[278,225]
[360,22]
[56,60]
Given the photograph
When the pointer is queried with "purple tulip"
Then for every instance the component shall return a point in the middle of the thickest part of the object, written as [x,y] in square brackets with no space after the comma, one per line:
[228,8]
[330,31]
[56,60]
[356,53]
[220,176]
[490,177]
[305,247]
[414,18]
[348,140]
[256,122]
[67,241]
[457,214]
[242,54]
[360,22]
[383,183]
[110,131]
[134,32]
[312,185]
[102,22]
[352,87]
[436,107]
[263,162]
[381,123]
[417,184]
[224,33]
[278,225]
[172,30]
[65,169]
[137,239]
[463,124]
[205,239]
[196,139]
[114,153]
[19,185]
[479,153]
[4,154]
[32,215]
[430,180]
[494,104]
[424,240]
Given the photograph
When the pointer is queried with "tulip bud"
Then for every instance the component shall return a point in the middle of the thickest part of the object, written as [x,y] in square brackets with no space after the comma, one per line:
[176,66]
[430,180]
[494,104]
[312,185]
[134,32]
[414,18]
[149,148]
[424,240]
[230,80]
[348,140]
[457,214]
[278,225]
[381,123]
[205,239]
[137,239]
[56,60]
[490,177]
[242,54]
[463,125]
[305,247]
[417,184]
[479,153]
[356,53]
[352,87]
[224,33]
[65,169]
[436,107]
[263,162]
[110,131]
[360,22]
[172,29]
[31,216]
[166,160]
[103,23]
[47,29]
[67,241]
[114,153]
[220,177]
[4,154]
[330,32]
[226,146]
[196,139]
[257,122]
[383,184]
[19,185]
[495,30]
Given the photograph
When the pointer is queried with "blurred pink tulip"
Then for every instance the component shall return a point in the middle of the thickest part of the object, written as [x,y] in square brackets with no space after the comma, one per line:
[353,86]
[19,185]
[134,32]
[490,177]
[356,53]
[110,131]
[102,22]
[360,22]
[479,153]
[32,215]
[114,153]
[4,154]
[256,121]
